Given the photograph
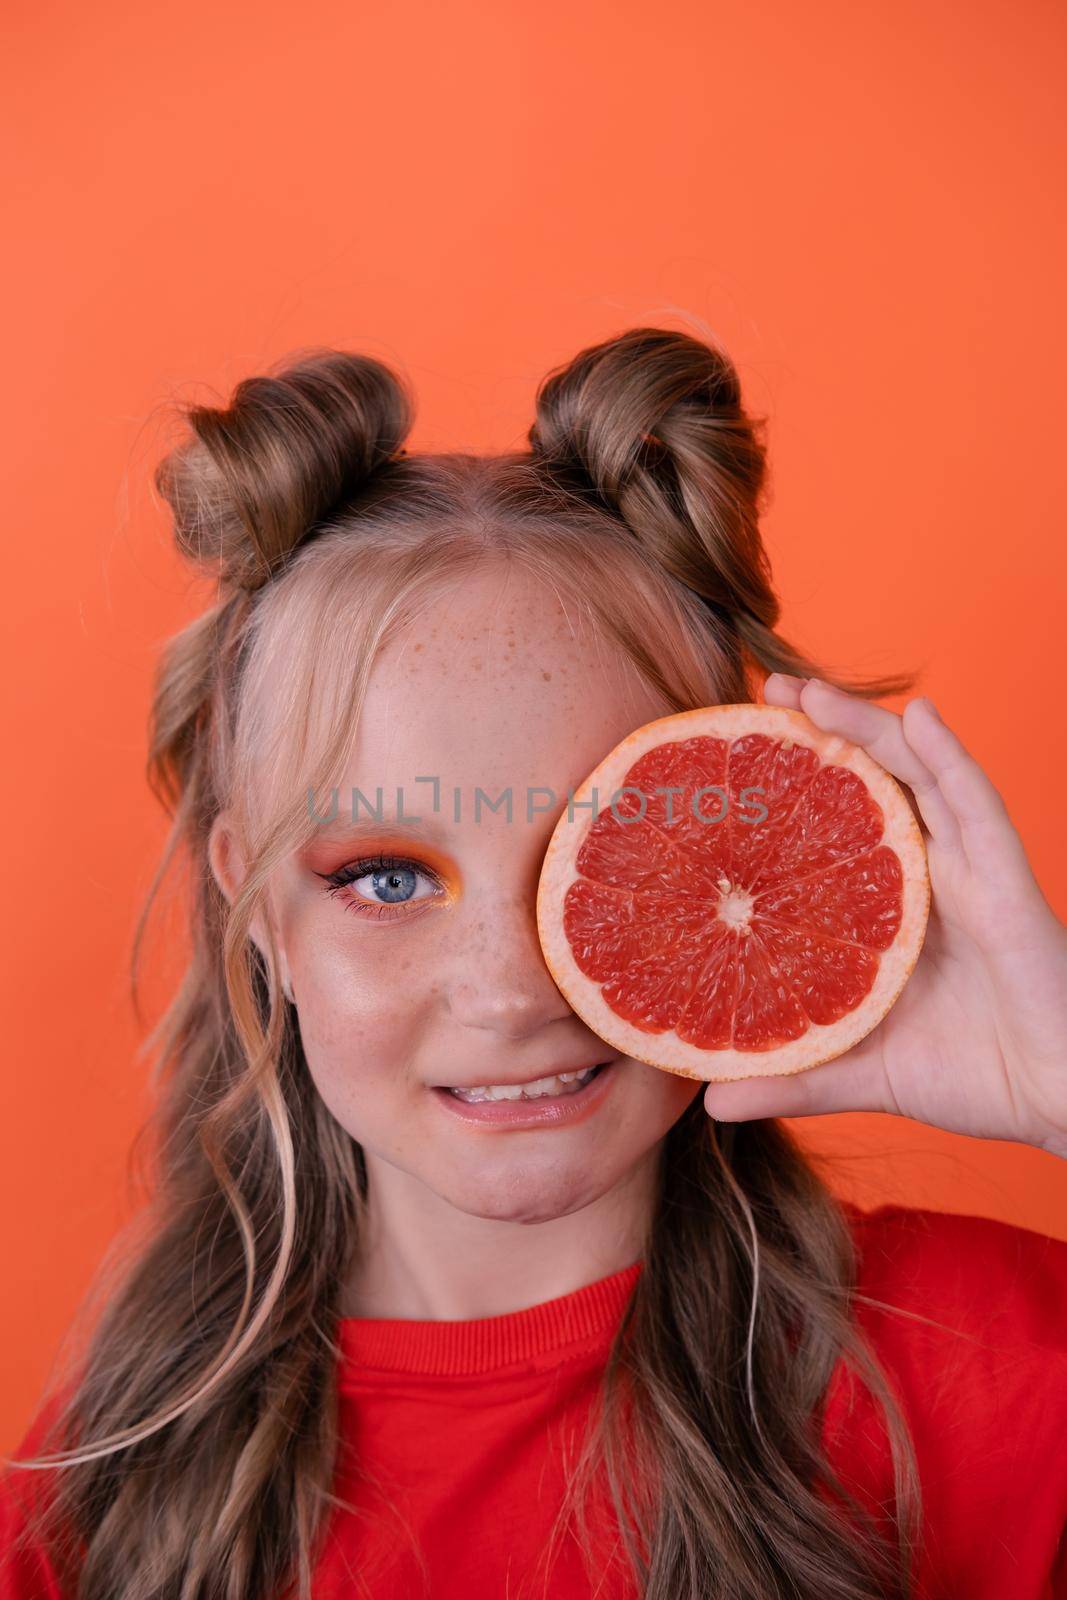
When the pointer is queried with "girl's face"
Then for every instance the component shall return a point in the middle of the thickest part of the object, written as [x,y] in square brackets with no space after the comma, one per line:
[431,974]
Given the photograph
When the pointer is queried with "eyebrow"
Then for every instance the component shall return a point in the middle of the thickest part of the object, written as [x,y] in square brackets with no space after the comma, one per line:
[345,827]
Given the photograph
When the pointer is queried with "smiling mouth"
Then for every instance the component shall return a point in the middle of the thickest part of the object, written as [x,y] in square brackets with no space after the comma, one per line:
[559,1086]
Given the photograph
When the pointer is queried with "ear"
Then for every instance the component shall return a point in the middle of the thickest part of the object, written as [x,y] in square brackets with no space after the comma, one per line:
[228,869]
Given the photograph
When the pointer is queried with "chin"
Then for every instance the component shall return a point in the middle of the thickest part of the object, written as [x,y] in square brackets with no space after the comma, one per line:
[525,1196]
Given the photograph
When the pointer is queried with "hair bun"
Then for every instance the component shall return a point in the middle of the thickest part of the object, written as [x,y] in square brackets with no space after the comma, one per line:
[652,423]
[631,399]
[292,445]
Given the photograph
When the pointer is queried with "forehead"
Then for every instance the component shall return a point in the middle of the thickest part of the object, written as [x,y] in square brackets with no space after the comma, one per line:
[498,682]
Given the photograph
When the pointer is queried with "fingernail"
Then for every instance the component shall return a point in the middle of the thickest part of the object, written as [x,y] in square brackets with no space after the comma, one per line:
[935,711]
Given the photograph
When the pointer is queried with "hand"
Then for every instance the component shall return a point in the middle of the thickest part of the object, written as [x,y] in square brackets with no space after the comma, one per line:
[977,1040]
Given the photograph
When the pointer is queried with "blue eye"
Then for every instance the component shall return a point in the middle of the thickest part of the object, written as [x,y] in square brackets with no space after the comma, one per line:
[396,884]
[393,879]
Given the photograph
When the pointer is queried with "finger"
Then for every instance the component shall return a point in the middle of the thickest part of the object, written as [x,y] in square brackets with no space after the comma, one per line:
[783,687]
[880,732]
[854,1081]
[978,808]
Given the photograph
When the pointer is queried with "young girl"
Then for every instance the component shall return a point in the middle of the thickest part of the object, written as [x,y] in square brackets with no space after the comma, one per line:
[366,1344]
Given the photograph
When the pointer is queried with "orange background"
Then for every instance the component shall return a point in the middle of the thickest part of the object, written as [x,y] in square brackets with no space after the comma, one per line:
[862,203]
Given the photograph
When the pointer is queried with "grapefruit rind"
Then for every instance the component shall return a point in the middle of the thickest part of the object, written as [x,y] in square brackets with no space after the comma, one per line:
[666,1050]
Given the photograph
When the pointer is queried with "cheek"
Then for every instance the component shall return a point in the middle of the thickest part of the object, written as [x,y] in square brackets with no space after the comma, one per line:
[666,1095]
[360,1023]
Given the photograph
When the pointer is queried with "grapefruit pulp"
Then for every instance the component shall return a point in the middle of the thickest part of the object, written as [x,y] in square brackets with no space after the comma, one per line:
[733,893]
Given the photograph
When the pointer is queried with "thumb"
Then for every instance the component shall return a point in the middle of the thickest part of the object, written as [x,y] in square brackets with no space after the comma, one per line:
[854,1081]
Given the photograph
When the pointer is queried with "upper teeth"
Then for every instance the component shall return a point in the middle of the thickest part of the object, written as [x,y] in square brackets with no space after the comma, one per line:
[527,1091]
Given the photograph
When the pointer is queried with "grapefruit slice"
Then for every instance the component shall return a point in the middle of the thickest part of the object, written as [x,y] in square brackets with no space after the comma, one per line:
[734,893]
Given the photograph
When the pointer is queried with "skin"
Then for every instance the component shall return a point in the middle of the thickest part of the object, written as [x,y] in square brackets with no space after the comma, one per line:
[497,685]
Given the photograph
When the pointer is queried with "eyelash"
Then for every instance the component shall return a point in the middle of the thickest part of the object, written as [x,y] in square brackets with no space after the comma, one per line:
[378,911]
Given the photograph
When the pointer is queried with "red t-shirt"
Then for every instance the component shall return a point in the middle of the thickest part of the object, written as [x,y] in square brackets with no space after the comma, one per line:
[464,1426]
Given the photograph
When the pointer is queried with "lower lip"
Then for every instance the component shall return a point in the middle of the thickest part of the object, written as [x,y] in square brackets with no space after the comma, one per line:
[549,1111]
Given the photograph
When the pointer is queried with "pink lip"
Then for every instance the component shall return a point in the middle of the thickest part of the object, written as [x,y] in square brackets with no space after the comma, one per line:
[552,1111]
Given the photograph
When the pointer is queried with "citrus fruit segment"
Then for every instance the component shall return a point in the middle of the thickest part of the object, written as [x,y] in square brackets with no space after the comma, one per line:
[734,893]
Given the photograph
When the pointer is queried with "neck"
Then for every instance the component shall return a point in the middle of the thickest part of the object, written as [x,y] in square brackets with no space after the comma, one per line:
[421,1258]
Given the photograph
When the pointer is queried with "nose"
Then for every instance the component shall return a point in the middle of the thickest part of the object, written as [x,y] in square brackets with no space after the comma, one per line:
[498,979]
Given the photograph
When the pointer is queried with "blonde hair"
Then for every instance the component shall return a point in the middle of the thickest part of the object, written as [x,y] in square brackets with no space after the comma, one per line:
[198,1441]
